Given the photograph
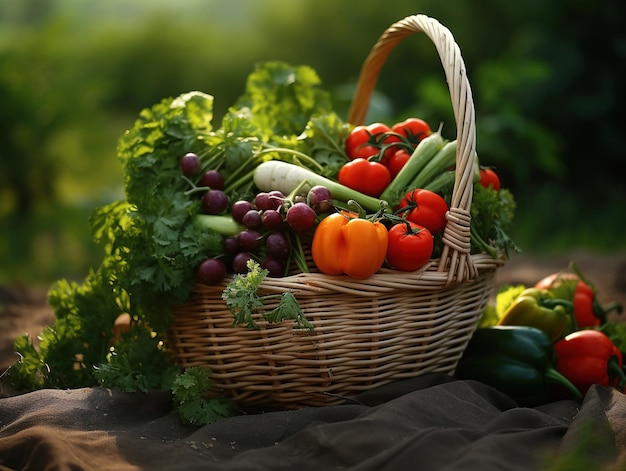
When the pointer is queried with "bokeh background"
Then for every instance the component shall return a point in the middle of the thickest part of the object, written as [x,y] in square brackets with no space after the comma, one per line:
[547,78]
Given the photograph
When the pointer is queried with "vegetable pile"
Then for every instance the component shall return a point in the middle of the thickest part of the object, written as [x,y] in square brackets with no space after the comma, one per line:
[546,342]
[282,185]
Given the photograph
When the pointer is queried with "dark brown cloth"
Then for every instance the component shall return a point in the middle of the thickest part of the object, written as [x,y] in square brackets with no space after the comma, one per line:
[433,422]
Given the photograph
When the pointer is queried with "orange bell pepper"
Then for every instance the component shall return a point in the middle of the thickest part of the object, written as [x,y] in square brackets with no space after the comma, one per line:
[343,243]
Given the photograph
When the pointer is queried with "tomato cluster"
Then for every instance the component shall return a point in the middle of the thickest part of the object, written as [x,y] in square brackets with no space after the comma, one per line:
[377,152]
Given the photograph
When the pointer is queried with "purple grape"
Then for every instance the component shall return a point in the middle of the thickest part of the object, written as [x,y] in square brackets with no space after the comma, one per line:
[231,245]
[214,202]
[271,219]
[277,245]
[300,217]
[240,262]
[190,164]
[262,201]
[276,199]
[239,209]
[252,219]
[320,199]
[276,267]
[249,239]
[211,271]
[213,179]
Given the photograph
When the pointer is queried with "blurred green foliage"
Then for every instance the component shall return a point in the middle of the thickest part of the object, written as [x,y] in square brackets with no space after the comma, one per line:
[546,79]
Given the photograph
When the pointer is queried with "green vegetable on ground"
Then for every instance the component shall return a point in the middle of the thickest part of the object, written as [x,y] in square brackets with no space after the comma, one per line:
[520,361]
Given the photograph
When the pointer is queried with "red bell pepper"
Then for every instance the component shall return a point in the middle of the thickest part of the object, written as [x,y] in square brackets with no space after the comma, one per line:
[588,357]
[572,286]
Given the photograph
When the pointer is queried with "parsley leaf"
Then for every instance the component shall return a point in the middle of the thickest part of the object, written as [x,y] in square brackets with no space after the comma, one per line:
[492,217]
[241,295]
[190,398]
[243,300]
[289,309]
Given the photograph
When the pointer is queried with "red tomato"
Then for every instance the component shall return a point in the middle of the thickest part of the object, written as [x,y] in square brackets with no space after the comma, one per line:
[367,141]
[397,160]
[370,178]
[429,209]
[414,129]
[357,144]
[489,178]
[409,246]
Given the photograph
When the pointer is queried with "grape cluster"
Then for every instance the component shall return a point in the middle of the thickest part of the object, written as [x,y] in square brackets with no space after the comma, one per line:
[271,222]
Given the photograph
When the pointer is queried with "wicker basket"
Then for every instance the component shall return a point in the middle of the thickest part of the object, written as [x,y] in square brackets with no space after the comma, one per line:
[392,326]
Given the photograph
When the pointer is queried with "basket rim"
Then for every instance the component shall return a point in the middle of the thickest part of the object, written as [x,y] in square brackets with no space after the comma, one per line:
[429,277]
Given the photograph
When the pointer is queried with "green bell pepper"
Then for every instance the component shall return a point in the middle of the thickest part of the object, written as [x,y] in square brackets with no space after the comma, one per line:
[520,361]
[538,308]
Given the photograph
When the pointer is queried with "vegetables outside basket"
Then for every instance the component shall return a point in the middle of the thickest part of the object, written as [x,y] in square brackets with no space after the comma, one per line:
[367,333]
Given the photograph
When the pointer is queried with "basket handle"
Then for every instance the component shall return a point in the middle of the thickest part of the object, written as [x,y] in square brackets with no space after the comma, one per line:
[455,257]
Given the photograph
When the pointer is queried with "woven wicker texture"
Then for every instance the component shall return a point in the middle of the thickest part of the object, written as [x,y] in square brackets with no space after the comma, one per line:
[392,326]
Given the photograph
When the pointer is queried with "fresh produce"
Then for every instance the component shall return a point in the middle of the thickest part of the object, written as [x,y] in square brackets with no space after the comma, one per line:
[571,286]
[538,308]
[300,217]
[346,243]
[190,164]
[286,177]
[397,160]
[410,246]
[212,271]
[366,141]
[492,216]
[424,152]
[365,176]
[223,225]
[517,360]
[588,357]
[489,178]
[444,159]
[585,354]
[425,208]
[242,297]
[230,203]
[413,129]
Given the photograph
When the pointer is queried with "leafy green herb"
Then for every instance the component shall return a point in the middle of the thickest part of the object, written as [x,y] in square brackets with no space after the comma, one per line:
[282,98]
[492,217]
[151,245]
[243,300]
[323,138]
[143,364]
[191,401]
[289,309]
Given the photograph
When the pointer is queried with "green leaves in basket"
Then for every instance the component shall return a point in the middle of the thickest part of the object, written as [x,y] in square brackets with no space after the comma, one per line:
[492,217]
[282,98]
[243,300]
